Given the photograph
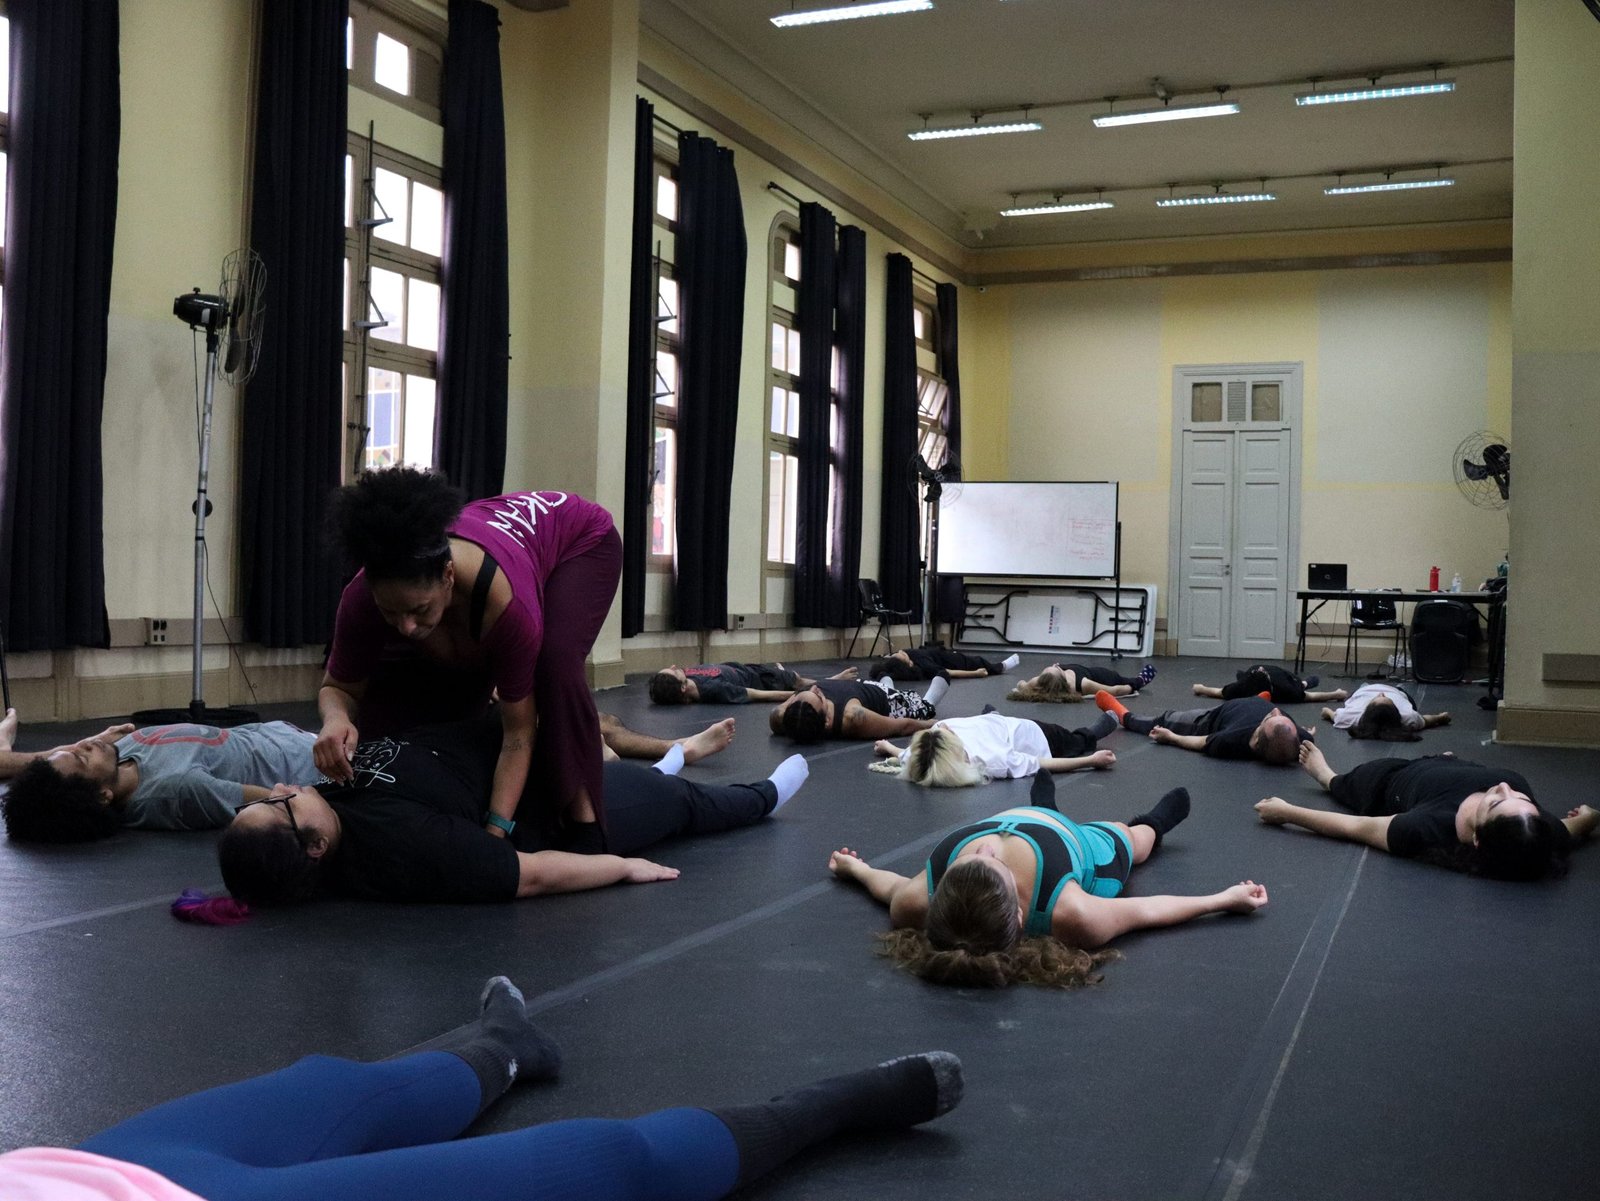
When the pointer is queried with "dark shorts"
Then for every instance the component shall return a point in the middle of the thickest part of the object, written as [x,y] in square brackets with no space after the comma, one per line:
[1065,743]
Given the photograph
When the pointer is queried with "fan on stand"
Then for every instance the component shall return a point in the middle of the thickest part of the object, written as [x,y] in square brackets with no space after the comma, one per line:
[1482,469]
[940,484]
[231,320]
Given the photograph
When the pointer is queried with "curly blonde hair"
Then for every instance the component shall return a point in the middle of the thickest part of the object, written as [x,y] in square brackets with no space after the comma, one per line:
[1049,687]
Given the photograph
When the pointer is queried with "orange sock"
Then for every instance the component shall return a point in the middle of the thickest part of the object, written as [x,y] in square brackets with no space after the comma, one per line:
[1111,704]
[1266,696]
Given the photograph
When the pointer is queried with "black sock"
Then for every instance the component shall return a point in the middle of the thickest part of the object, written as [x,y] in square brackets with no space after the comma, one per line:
[1105,724]
[902,1092]
[1167,813]
[1139,725]
[502,1046]
[1043,793]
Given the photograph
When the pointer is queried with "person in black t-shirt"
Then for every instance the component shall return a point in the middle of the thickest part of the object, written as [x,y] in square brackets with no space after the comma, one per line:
[1248,728]
[729,683]
[1284,687]
[1449,811]
[409,827]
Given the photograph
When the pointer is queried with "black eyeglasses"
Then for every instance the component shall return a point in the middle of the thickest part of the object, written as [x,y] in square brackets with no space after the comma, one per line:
[277,799]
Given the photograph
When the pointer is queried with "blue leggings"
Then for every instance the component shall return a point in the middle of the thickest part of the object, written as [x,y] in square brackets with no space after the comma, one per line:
[331,1130]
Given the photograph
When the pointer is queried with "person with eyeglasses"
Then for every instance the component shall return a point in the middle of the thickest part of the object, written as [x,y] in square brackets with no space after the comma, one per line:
[409,826]
[335,1128]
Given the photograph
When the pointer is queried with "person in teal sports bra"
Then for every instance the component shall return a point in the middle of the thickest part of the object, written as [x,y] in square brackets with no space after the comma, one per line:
[1030,896]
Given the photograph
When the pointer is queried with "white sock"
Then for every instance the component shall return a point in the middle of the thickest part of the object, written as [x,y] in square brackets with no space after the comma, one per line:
[787,778]
[671,763]
[936,690]
[1011,662]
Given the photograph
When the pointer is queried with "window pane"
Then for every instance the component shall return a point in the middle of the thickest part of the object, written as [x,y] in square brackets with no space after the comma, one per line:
[1265,402]
[775,495]
[386,296]
[427,219]
[931,397]
[1205,402]
[349,191]
[383,414]
[5,64]
[389,200]
[349,42]
[794,352]
[5,166]
[422,314]
[391,64]
[792,428]
[345,311]
[836,382]
[916,324]
[664,492]
[780,405]
[667,305]
[667,197]
[791,260]
[666,379]
[420,404]
[780,347]
[791,504]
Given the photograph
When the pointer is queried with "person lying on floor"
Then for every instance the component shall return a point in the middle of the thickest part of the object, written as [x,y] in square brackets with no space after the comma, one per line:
[1030,896]
[1248,728]
[938,663]
[409,826]
[1063,682]
[327,1127]
[855,709]
[1440,809]
[194,777]
[956,752]
[1383,712]
[1283,687]
[729,683]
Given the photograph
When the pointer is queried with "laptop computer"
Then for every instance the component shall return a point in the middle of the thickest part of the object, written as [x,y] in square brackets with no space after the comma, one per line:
[1328,577]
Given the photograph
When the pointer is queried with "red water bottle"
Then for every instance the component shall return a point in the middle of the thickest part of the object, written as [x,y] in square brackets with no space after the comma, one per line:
[1433,579]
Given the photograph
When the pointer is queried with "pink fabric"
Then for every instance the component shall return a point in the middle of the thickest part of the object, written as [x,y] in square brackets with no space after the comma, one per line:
[56,1174]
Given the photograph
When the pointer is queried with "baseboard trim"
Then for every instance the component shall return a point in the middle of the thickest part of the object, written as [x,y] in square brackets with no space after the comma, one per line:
[1525,725]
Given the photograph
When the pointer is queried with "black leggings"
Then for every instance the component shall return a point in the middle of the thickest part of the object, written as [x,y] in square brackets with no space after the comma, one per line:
[644,807]
[934,661]
[1285,688]
[1100,675]
[1065,743]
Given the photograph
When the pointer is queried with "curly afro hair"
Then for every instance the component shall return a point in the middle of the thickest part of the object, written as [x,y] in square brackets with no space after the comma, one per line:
[43,805]
[394,522]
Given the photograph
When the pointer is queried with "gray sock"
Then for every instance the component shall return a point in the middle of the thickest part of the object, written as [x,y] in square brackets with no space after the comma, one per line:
[502,1046]
[936,691]
[1106,723]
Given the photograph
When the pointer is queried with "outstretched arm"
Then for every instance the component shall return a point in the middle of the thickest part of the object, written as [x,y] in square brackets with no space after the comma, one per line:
[1582,822]
[543,872]
[906,896]
[1188,742]
[864,723]
[1352,827]
[1430,720]
[1086,921]
[1099,759]
[771,694]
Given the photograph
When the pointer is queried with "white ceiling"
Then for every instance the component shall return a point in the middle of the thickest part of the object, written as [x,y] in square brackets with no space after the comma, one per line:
[856,87]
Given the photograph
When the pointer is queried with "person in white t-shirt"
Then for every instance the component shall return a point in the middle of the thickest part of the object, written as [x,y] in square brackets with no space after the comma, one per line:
[1383,713]
[960,751]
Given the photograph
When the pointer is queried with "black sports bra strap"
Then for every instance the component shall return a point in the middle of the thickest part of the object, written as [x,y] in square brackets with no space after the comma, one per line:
[480,596]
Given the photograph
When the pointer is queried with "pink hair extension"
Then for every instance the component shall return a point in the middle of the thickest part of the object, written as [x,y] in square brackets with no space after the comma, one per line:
[197,906]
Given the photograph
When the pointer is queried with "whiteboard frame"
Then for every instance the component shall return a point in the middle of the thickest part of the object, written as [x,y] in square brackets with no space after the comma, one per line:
[1116,554]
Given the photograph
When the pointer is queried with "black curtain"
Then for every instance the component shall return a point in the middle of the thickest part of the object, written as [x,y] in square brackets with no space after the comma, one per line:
[639,439]
[292,419]
[899,555]
[850,333]
[474,308]
[709,265]
[814,320]
[66,120]
[948,605]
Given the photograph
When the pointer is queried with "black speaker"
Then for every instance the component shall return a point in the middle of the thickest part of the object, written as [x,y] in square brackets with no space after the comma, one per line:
[1441,641]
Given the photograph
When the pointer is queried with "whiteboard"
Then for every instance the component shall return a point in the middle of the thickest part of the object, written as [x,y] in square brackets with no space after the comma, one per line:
[1045,530]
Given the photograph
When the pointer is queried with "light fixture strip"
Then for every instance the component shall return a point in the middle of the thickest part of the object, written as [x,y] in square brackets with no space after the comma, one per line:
[1182,112]
[1393,186]
[973,131]
[1388,92]
[1043,209]
[850,12]
[1215,198]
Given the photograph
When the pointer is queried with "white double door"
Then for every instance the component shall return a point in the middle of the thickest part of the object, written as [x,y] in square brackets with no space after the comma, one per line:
[1234,533]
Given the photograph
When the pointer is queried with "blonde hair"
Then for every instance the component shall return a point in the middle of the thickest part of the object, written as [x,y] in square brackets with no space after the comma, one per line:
[1047,687]
[974,939]
[938,759]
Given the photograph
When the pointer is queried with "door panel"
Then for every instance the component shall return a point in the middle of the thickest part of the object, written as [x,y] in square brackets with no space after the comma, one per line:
[1262,522]
[1206,532]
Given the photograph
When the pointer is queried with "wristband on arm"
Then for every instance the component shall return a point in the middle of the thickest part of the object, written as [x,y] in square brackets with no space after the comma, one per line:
[500,823]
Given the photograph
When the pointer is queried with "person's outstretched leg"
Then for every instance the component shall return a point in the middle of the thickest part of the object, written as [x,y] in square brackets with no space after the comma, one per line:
[645,807]
[1163,816]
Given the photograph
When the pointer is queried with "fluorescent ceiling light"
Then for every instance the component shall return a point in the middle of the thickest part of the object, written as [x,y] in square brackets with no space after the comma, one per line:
[1215,198]
[1039,210]
[1386,92]
[973,131]
[1395,186]
[1176,112]
[849,12]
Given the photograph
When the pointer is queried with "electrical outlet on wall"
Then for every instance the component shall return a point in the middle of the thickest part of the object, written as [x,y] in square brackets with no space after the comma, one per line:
[155,631]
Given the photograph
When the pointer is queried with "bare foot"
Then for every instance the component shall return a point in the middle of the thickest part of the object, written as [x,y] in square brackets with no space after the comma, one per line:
[1245,897]
[8,729]
[1198,689]
[1101,760]
[1339,694]
[848,673]
[1316,764]
[1326,715]
[708,741]
[844,862]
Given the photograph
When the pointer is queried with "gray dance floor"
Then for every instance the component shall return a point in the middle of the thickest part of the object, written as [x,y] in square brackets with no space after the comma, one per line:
[1382,1029]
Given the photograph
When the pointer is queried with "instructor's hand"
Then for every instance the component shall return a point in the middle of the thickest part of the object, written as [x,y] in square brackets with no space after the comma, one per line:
[333,748]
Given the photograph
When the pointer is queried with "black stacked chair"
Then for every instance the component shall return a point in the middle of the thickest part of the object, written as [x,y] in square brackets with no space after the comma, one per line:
[1441,641]
[874,609]
[1372,613]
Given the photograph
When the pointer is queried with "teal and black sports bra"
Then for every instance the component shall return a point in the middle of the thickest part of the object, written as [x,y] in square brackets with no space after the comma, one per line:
[1059,856]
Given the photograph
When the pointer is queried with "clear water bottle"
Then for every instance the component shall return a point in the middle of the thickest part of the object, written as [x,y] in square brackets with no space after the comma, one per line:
[1455,582]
